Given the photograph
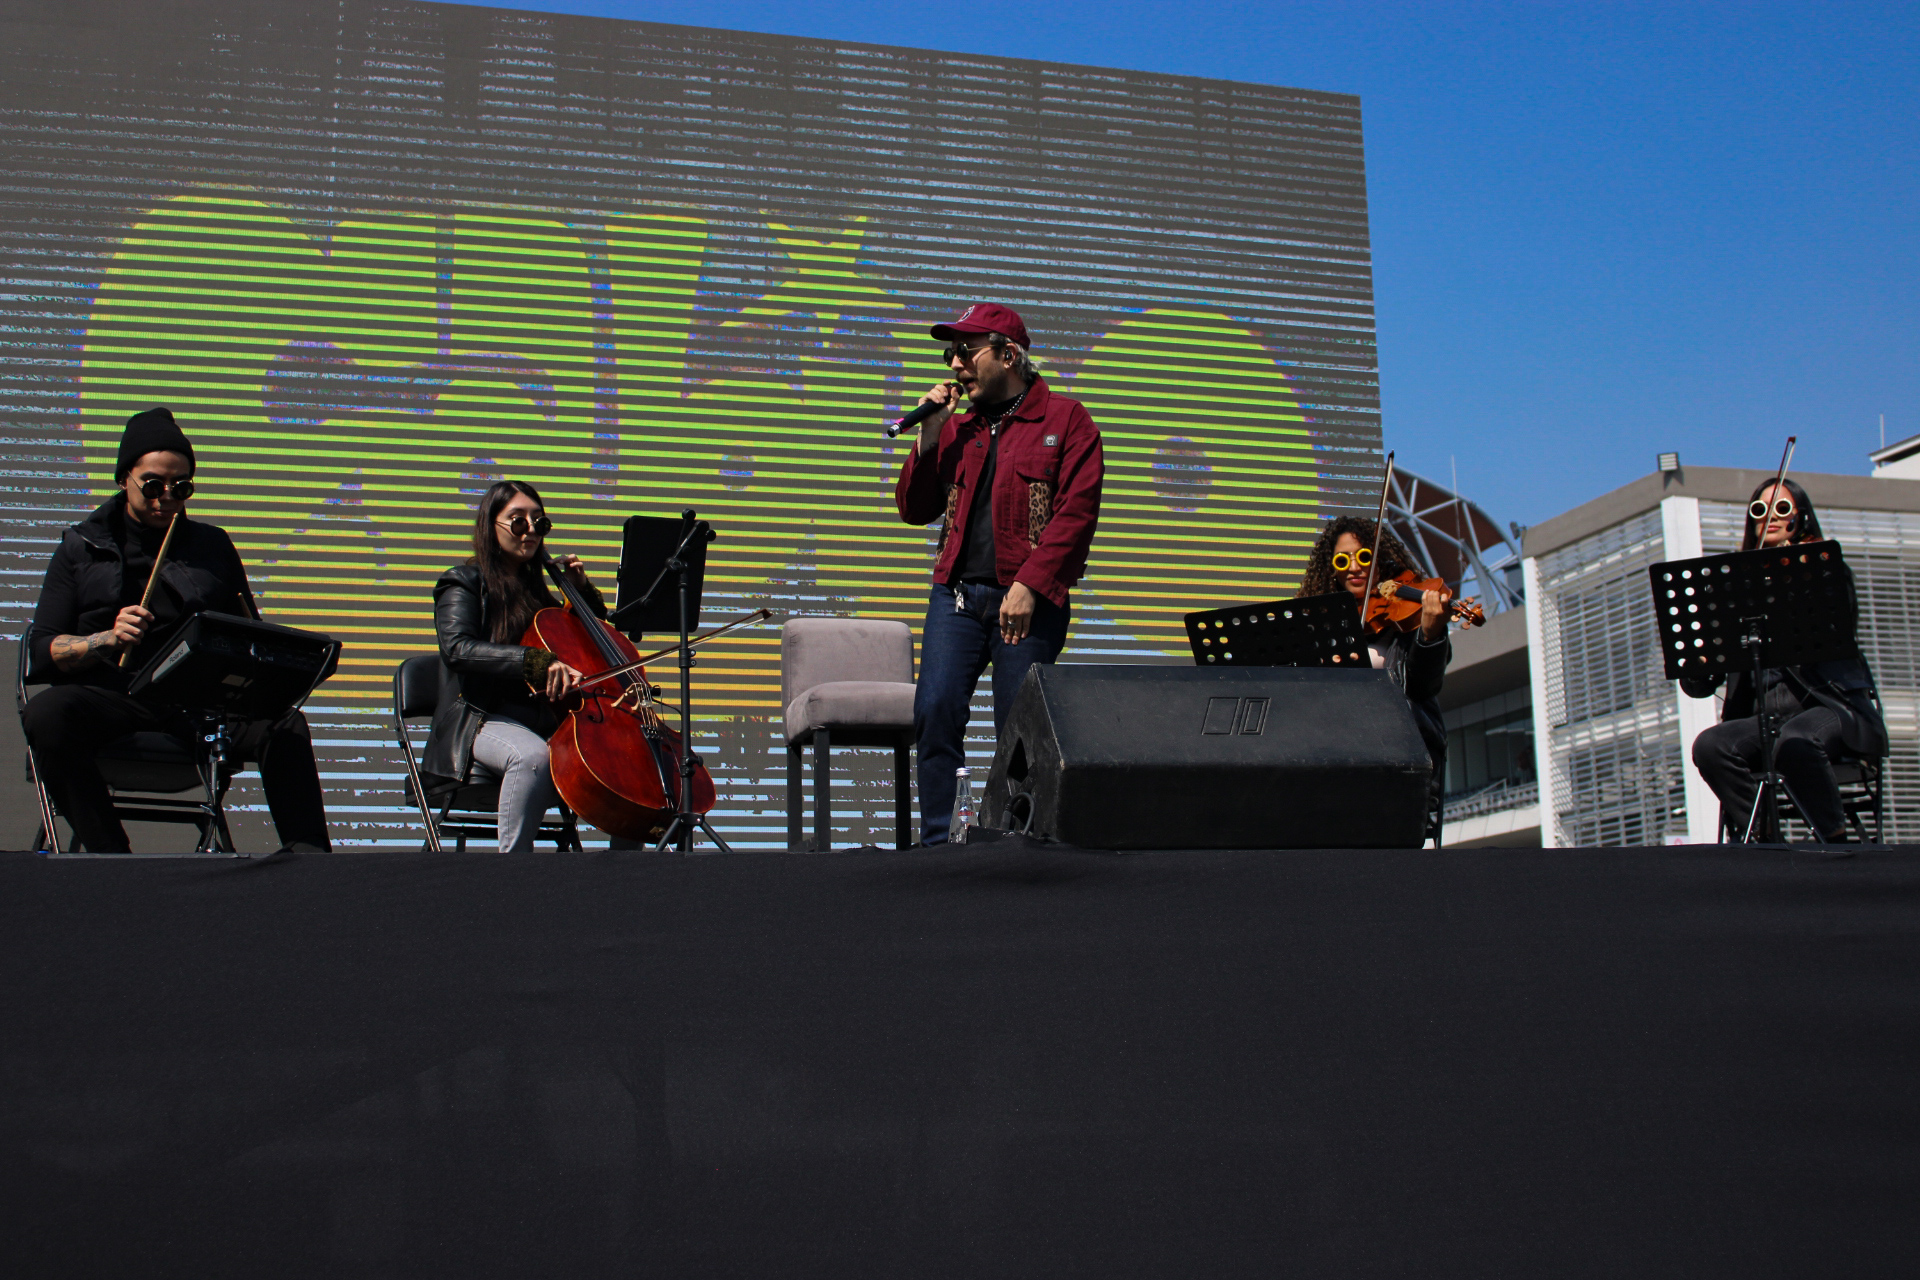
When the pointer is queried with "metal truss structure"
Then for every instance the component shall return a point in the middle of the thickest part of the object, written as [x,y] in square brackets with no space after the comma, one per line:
[1455,540]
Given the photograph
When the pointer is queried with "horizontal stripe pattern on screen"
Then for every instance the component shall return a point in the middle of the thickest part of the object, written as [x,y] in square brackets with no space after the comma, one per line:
[377,255]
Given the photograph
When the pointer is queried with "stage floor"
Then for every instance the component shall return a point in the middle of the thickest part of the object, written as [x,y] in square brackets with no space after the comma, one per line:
[1005,1061]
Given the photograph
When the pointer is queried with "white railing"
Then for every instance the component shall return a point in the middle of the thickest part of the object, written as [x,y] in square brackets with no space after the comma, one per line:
[1501,796]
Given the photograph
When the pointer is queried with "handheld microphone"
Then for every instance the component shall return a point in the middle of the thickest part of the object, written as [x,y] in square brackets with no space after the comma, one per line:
[920,414]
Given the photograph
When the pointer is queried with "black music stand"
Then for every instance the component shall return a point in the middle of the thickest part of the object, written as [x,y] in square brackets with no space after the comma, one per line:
[685,559]
[1309,631]
[1751,612]
[216,666]
[647,544]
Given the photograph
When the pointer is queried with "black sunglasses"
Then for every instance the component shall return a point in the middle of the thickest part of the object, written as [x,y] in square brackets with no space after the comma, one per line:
[518,524]
[1358,560]
[964,351]
[152,489]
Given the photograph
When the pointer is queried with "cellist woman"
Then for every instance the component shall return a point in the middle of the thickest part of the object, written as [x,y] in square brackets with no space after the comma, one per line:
[1824,709]
[509,694]
[1415,660]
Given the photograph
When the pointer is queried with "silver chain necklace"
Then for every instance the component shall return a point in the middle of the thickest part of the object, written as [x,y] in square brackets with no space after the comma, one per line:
[993,428]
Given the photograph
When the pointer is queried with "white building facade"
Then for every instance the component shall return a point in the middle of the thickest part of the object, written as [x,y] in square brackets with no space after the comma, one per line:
[1613,736]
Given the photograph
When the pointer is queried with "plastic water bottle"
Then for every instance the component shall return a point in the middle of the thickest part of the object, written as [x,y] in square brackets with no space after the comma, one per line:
[962,807]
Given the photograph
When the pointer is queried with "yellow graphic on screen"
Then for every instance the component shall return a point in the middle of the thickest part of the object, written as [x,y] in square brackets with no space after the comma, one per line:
[351,385]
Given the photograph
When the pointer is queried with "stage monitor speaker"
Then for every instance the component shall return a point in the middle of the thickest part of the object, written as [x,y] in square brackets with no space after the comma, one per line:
[1135,757]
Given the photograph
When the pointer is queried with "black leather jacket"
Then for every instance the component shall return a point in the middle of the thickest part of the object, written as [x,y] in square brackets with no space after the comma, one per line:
[82,593]
[488,678]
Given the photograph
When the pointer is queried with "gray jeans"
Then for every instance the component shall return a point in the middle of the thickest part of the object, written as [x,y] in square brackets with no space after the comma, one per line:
[517,756]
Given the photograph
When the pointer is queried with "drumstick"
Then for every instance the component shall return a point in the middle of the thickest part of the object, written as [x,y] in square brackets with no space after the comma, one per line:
[159,559]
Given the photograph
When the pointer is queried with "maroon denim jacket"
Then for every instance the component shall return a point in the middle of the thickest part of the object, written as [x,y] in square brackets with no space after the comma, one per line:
[1046,491]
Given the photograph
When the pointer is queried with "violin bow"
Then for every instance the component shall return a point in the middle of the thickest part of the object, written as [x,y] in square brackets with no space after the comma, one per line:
[160,558]
[758,615]
[1379,528]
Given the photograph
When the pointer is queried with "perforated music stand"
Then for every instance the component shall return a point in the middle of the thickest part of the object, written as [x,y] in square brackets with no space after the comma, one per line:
[648,545]
[1311,631]
[1754,611]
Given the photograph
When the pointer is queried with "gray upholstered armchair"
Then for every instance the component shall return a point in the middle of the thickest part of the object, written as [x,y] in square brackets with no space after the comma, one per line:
[845,682]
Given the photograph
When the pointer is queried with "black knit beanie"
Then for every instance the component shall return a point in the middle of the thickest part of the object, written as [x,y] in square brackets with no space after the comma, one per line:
[150,431]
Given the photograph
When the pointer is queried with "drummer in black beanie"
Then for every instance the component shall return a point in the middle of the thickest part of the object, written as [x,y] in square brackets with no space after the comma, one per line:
[90,614]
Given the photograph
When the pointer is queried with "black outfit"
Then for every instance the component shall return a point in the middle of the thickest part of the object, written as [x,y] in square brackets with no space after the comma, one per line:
[100,567]
[1419,669]
[977,558]
[490,679]
[1826,709]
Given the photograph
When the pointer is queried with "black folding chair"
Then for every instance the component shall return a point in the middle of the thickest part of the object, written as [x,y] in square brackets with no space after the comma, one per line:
[1862,798]
[420,684]
[146,774]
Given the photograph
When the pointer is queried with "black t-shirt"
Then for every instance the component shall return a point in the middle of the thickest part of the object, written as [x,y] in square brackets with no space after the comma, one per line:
[977,561]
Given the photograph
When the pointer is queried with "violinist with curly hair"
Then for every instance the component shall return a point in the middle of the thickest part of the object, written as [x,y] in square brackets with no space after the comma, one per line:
[1416,660]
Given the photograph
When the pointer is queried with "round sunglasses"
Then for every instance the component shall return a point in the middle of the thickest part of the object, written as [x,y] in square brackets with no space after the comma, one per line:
[152,489]
[1782,508]
[518,525]
[1360,559]
[966,353]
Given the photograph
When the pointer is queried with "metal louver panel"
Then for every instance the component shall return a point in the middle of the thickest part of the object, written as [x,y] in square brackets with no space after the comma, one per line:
[1613,733]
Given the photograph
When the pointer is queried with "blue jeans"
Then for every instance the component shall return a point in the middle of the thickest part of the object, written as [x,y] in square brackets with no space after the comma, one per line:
[955,647]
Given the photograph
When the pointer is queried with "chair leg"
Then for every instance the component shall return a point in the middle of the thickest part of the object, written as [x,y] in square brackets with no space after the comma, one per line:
[902,797]
[48,839]
[822,819]
[1859,828]
[431,844]
[794,801]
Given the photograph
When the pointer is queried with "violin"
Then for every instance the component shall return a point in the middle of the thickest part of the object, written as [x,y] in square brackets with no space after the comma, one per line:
[1396,602]
[615,762]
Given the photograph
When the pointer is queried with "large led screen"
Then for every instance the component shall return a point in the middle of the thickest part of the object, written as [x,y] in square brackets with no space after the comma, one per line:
[375,255]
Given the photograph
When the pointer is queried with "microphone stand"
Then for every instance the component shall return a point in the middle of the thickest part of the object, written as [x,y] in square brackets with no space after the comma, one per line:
[686,821]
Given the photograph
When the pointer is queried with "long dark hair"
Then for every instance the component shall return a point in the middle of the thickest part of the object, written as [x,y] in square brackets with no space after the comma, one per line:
[1320,578]
[516,592]
[1806,525]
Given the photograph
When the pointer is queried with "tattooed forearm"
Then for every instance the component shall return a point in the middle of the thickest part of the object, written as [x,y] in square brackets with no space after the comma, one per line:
[70,653]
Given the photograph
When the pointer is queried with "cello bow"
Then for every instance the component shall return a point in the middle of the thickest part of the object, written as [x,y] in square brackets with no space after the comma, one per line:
[748,619]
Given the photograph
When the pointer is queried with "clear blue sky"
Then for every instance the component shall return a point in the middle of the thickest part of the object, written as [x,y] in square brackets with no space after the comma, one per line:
[1600,230]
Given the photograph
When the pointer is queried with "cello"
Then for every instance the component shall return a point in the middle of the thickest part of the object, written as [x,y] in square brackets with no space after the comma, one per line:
[615,762]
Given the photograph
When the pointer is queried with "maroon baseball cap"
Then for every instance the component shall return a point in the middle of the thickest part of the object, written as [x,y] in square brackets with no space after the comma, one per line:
[985,317]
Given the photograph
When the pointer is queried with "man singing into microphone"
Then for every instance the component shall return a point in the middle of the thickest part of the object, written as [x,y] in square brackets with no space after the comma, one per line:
[1017,480]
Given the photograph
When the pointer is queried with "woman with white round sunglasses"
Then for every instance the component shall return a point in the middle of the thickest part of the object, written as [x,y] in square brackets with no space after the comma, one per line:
[1824,709]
